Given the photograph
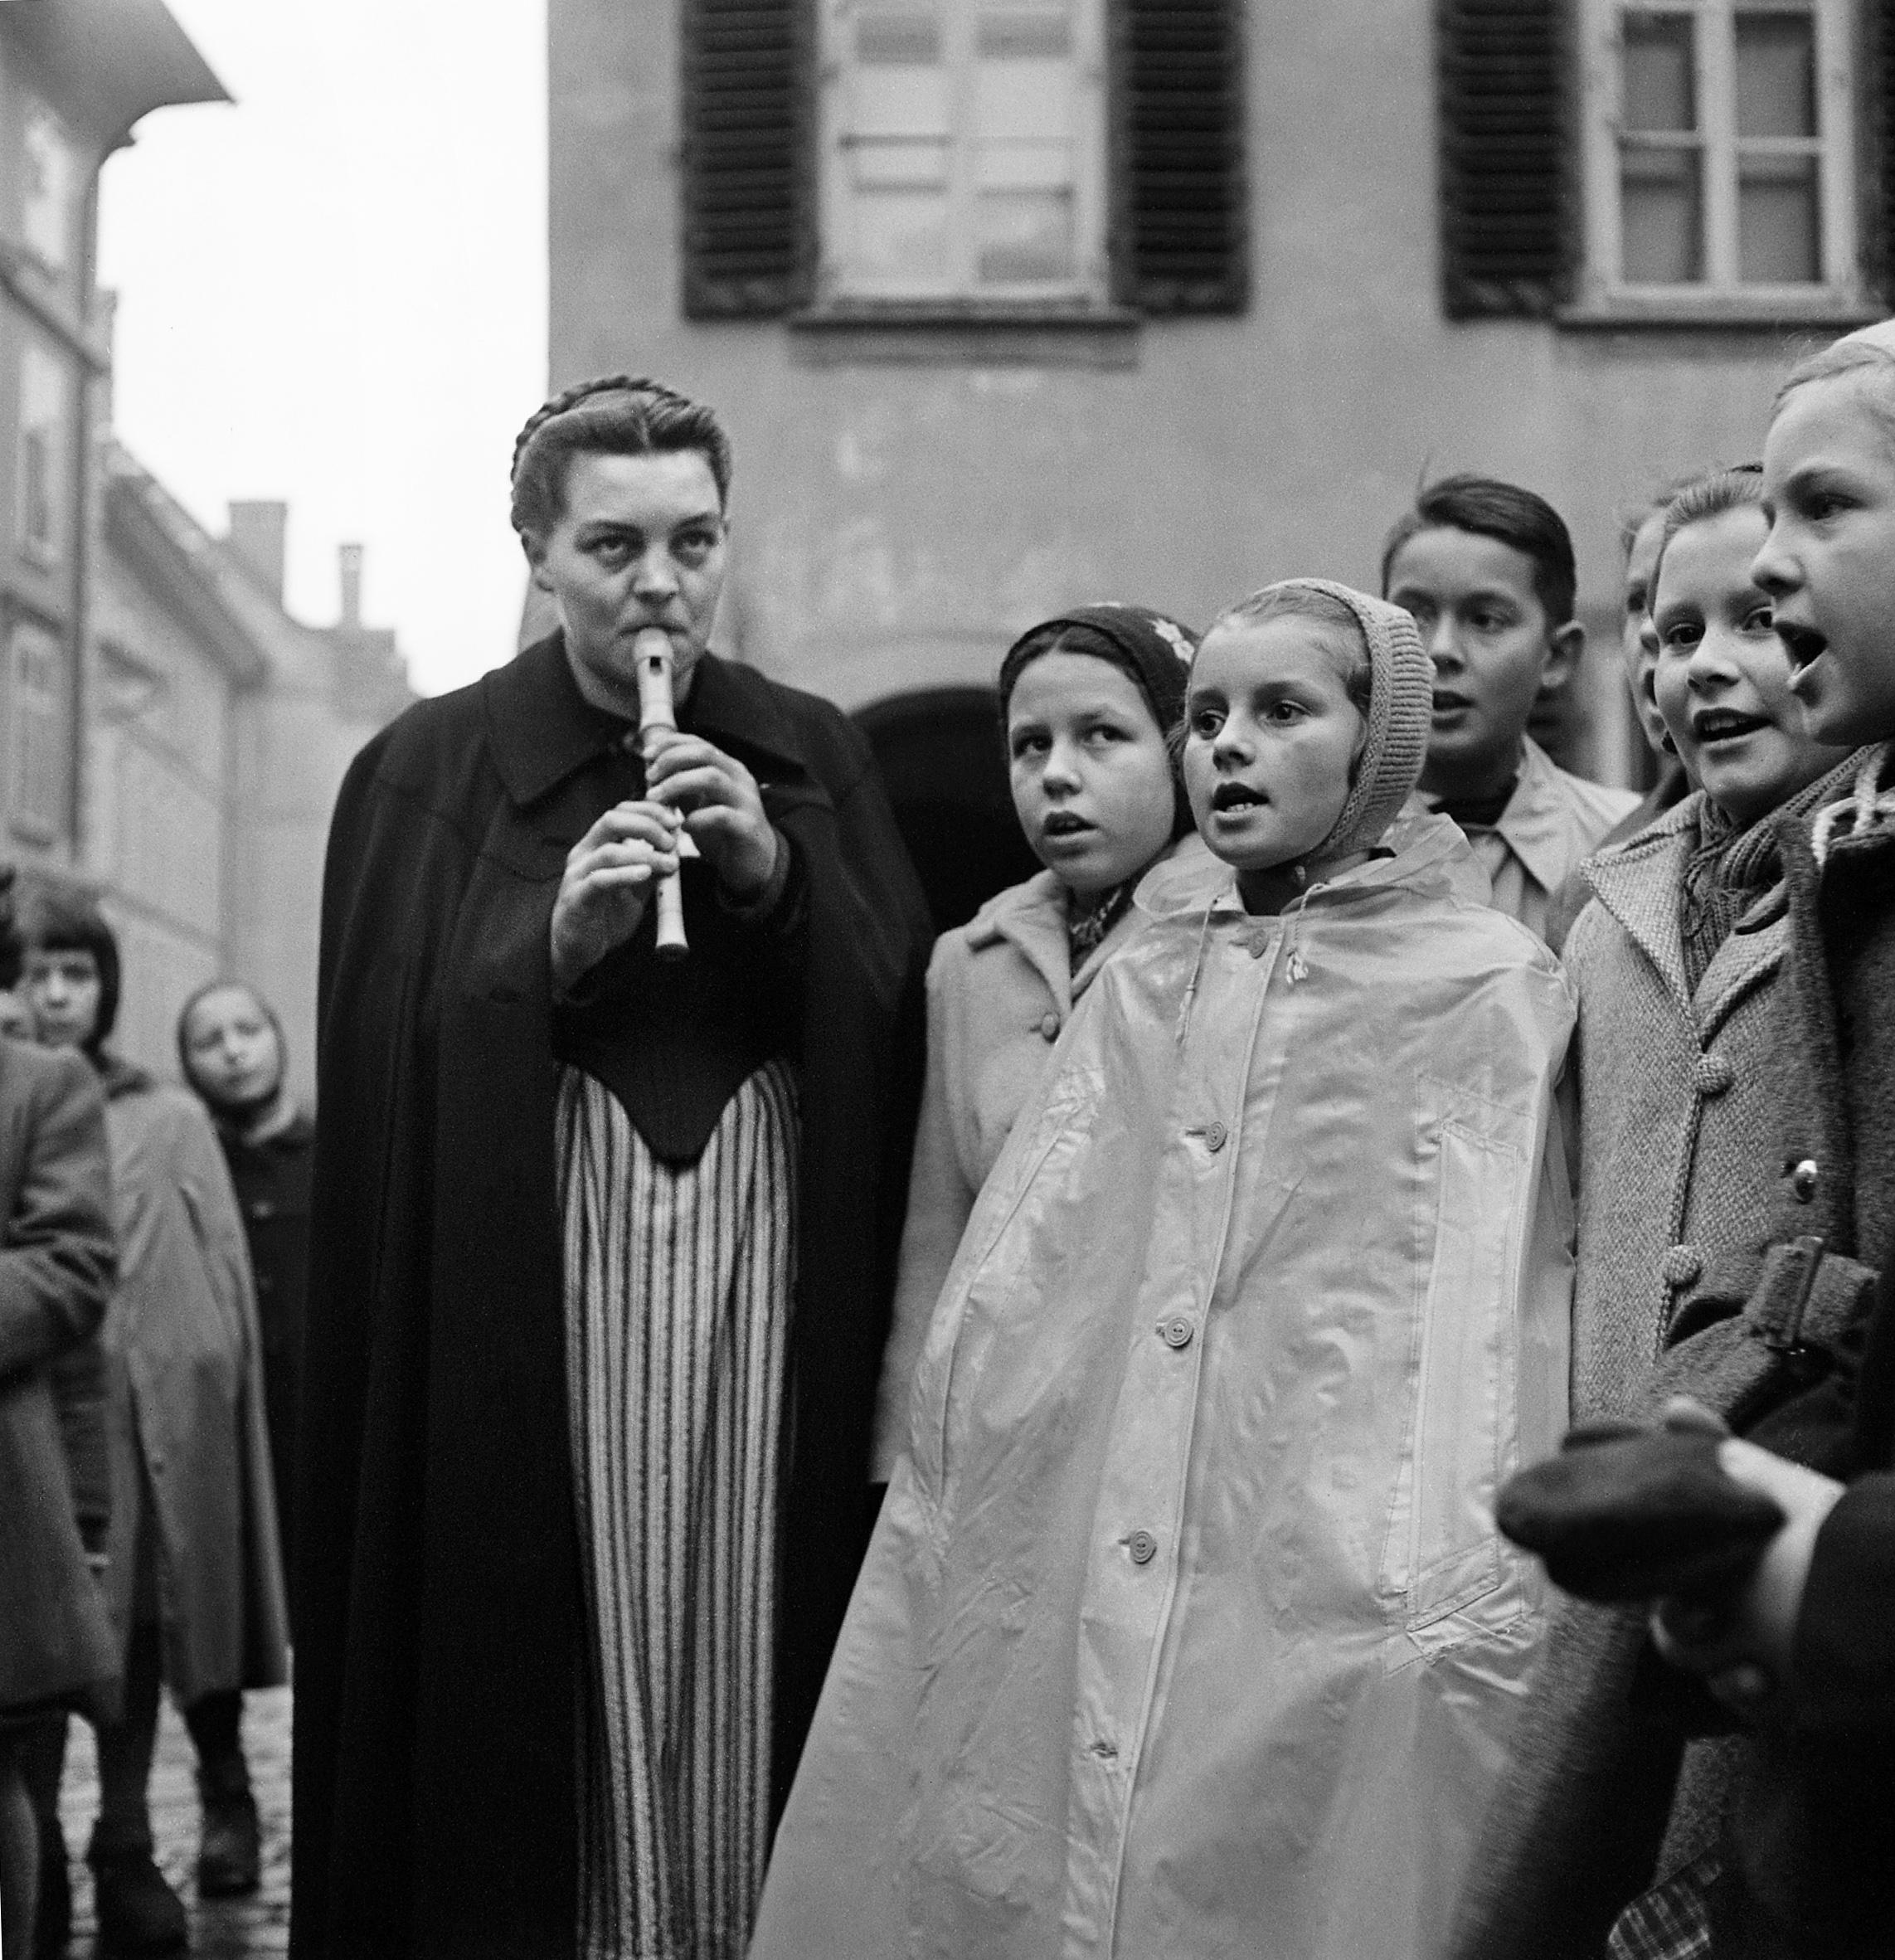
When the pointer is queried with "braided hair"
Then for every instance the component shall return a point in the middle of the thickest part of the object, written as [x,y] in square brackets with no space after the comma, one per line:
[615,415]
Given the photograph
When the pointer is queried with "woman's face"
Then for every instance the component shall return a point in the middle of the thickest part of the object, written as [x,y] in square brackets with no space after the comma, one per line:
[1828,561]
[62,990]
[641,544]
[1722,678]
[1091,779]
[1271,736]
[231,1053]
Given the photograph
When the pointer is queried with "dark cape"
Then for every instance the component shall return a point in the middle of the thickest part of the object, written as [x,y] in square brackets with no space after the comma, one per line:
[438,1584]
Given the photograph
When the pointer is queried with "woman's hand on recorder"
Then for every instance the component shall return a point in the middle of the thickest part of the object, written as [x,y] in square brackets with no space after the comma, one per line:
[722,808]
[607,884]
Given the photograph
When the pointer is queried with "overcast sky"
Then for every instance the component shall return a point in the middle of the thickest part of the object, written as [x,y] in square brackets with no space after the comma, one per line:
[334,293]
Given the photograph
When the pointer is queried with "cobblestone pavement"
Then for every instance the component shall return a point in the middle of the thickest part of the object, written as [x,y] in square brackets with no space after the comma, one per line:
[220,1929]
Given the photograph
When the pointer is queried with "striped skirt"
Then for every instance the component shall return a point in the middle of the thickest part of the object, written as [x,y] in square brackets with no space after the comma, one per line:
[677,1289]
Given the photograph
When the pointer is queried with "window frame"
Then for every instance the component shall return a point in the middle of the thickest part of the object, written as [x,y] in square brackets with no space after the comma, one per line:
[47,763]
[46,549]
[1090,291]
[1842,293]
[39,122]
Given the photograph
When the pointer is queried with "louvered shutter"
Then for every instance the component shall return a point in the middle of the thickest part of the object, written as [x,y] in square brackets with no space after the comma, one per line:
[1877,92]
[1180,228]
[749,110]
[1507,167]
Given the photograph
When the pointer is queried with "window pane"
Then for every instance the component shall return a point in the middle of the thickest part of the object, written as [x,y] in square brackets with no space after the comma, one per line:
[1776,74]
[1025,237]
[46,196]
[1660,91]
[1779,228]
[1661,217]
[892,101]
[1023,34]
[904,36]
[901,236]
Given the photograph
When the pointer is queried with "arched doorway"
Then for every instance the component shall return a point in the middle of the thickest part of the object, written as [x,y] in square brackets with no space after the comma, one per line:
[942,758]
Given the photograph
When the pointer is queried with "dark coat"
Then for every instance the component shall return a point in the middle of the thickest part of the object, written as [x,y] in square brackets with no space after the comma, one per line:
[438,1602]
[55,1278]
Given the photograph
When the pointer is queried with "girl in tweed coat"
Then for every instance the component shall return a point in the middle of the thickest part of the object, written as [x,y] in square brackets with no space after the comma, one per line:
[1676,962]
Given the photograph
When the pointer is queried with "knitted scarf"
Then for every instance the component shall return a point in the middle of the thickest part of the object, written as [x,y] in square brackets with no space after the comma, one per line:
[1088,920]
[1732,866]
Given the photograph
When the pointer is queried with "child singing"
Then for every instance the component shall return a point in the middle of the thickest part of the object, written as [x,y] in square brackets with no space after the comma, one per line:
[1185,1627]
[1087,701]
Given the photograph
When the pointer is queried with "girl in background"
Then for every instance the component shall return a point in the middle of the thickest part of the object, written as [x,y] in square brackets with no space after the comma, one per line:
[194,1580]
[231,1048]
[1087,701]
[1185,1624]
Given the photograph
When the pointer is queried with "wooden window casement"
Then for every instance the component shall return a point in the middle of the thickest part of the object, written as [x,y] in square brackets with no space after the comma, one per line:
[1667,161]
[41,489]
[38,744]
[953,155]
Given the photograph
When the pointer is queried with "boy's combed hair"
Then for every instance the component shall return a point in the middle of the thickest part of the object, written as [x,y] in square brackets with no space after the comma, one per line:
[1705,497]
[1504,512]
[619,415]
[1302,602]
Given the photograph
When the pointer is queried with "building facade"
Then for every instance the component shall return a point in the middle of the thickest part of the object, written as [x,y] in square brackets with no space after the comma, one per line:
[75,76]
[217,733]
[1012,305]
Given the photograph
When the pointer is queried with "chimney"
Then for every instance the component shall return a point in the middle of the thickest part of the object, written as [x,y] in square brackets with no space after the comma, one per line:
[257,541]
[350,557]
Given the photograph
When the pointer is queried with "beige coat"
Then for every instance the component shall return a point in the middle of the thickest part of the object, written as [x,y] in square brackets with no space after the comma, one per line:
[1677,1125]
[999,992]
[186,1400]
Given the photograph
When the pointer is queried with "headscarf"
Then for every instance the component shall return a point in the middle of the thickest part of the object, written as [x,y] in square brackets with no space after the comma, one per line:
[1400,711]
[1153,649]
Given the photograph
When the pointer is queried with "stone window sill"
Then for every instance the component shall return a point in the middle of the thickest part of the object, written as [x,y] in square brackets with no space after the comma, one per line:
[947,334]
[1770,313]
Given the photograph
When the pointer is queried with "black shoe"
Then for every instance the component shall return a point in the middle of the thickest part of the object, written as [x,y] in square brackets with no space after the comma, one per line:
[139,1913]
[229,1857]
[53,1928]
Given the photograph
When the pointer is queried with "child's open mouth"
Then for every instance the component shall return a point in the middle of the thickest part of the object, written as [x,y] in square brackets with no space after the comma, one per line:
[1802,644]
[1063,823]
[1724,724]
[1228,796]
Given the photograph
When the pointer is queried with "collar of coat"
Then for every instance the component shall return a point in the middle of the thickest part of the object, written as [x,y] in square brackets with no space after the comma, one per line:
[541,729]
[1637,882]
[1419,851]
[1031,917]
[1548,807]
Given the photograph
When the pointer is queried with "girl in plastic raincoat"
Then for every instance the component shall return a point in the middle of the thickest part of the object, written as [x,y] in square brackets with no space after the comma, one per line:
[1185,1629]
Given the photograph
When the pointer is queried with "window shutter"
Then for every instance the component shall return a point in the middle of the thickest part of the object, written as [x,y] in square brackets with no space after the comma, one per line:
[1877,97]
[749,110]
[1507,165]
[1180,231]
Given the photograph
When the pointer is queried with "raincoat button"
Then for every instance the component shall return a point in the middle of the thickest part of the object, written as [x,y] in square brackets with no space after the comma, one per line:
[1142,1548]
[1803,1180]
[1714,1075]
[1049,1026]
[1682,1265]
[1216,1137]
[1177,1331]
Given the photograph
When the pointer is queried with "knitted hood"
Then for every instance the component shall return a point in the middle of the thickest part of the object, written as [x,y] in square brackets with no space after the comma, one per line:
[1401,711]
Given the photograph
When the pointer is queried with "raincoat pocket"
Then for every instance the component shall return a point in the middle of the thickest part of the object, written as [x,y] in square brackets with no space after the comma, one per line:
[978,1293]
[1474,1161]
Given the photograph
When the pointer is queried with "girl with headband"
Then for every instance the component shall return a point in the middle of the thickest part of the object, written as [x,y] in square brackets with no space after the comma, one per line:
[1088,702]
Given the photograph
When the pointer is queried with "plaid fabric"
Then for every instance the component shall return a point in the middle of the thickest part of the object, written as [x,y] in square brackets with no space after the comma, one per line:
[1672,1921]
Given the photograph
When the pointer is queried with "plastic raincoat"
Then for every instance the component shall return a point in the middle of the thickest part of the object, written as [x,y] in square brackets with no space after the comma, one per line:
[1187,1630]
